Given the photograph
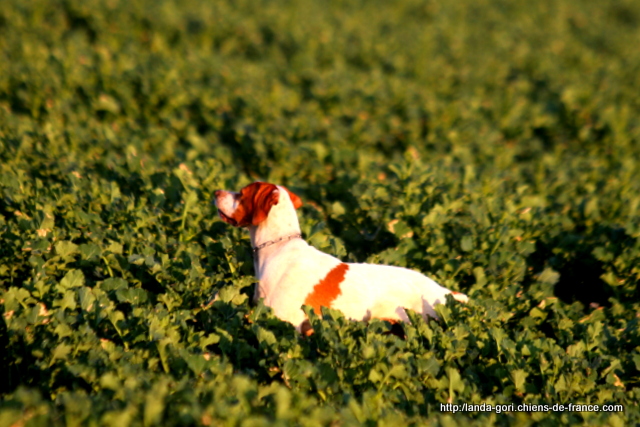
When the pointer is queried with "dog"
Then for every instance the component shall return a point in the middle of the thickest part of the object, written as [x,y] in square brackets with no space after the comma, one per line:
[292,273]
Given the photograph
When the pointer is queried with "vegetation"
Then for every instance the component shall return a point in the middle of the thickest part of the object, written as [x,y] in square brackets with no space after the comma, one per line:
[493,145]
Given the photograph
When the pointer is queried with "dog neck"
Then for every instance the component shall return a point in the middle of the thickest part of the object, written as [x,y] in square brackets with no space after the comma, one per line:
[273,242]
[273,233]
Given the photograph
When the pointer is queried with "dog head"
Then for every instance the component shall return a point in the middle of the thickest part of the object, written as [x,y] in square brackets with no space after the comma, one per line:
[252,204]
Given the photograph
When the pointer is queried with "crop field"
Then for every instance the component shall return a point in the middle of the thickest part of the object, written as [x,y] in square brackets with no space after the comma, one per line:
[492,145]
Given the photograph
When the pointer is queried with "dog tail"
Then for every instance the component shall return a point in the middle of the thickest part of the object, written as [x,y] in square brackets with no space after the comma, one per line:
[459,296]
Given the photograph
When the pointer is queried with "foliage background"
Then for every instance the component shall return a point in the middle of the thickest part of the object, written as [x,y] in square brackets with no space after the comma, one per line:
[491,144]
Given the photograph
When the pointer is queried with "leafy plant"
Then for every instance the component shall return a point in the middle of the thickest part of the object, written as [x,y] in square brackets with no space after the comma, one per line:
[493,146]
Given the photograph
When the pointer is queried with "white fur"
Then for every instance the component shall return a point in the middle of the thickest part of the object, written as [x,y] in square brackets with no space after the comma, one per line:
[288,271]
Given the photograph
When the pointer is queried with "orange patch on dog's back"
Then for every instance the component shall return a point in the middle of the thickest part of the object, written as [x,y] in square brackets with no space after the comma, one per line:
[327,289]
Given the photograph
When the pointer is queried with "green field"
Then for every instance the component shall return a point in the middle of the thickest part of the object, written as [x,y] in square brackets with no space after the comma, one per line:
[492,145]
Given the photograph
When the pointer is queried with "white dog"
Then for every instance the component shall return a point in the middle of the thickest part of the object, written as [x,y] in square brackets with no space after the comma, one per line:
[292,273]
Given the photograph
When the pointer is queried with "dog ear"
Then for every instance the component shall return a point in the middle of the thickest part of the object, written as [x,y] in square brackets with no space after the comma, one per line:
[264,197]
[297,201]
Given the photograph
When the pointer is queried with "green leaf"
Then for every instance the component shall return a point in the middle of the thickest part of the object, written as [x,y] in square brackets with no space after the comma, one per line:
[132,295]
[443,312]
[400,229]
[61,351]
[549,276]
[374,376]
[66,248]
[398,371]
[518,376]
[196,362]
[15,297]
[115,248]
[499,335]
[337,209]
[68,301]
[455,382]
[63,330]
[537,313]
[90,250]
[432,366]
[73,279]
[113,283]
[110,380]
[466,244]
[86,298]
[265,337]
[561,384]
[479,274]
[136,259]
[154,403]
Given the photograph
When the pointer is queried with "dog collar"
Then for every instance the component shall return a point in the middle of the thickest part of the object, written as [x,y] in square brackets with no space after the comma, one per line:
[273,242]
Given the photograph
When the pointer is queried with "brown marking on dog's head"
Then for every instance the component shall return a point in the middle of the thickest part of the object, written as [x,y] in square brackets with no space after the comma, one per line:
[254,204]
